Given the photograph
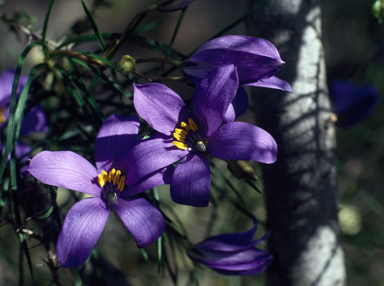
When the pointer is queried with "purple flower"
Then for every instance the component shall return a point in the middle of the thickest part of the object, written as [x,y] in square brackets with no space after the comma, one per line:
[232,253]
[351,103]
[191,138]
[34,121]
[86,219]
[257,62]
[173,5]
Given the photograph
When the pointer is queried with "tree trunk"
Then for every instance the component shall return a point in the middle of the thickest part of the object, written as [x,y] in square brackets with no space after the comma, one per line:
[301,187]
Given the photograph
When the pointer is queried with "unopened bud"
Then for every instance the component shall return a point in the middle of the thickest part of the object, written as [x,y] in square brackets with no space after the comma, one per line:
[126,65]
[242,170]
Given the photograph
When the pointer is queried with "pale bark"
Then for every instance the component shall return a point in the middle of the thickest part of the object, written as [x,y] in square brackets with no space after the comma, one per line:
[301,187]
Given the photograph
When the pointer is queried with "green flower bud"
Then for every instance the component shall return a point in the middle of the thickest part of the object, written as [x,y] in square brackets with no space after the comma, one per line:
[126,65]
[242,170]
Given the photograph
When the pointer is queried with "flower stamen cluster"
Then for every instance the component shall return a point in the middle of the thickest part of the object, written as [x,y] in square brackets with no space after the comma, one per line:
[185,142]
[113,177]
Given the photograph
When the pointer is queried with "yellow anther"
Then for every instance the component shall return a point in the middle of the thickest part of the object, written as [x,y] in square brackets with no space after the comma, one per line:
[105,176]
[180,145]
[111,175]
[192,125]
[179,137]
[101,180]
[181,131]
[121,185]
[185,125]
[117,177]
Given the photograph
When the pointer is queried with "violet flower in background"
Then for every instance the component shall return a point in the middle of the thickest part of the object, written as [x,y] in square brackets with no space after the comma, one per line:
[34,121]
[257,61]
[232,253]
[351,103]
[6,82]
[190,138]
[86,219]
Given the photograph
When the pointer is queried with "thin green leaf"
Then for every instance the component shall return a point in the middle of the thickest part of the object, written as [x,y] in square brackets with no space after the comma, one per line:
[228,182]
[159,250]
[178,24]
[94,27]
[145,255]
[25,248]
[238,21]
[21,103]
[12,107]
[96,108]
[155,45]
[79,282]
[93,84]
[197,274]
[239,206]
[235,23]
[156,194]
[253,186]
[175,31]
[72,133]
[47,214]
[81,63]
[99,58]
[148,27]
[16,209]
[47,16]
[21,272]
[89,38]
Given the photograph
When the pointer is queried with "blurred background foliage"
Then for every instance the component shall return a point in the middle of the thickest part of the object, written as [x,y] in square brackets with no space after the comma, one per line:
[354,47]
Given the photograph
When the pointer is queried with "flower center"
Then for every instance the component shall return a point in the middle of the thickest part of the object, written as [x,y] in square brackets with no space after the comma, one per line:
[188,138]
[111,183]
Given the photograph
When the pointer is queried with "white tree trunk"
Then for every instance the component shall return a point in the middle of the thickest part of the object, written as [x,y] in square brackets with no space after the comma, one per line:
[301,187]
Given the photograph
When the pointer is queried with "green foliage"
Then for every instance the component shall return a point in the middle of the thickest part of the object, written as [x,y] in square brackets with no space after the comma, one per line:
[78,85]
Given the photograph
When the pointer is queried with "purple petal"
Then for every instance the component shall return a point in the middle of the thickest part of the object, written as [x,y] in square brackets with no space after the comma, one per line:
[65,169]
[212,98]
[116,135]
[21,152]
[272,82]
[143,220]
[151,155]
[161,177]
[242,141]
[34,121]
[82,227]
[191,181]
[160,106]
[230,242]
[248,262]
[254,58]
[237,43]
[238,106]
